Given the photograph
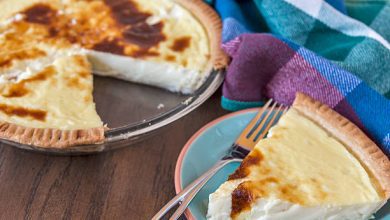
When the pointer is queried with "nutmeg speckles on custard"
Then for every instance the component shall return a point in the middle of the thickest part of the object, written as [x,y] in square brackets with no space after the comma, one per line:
[120,27]
[23,112]
[253,159]
[159,43]
[181,44]
[7,59]
[19,89]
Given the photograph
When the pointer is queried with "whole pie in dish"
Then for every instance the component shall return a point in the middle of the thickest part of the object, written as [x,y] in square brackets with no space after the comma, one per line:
[50,48]
[314,164]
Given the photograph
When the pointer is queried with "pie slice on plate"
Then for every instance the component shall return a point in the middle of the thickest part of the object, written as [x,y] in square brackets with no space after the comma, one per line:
[51,47]
[314,164]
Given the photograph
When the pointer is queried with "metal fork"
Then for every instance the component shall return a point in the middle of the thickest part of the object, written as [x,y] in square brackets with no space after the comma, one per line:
[255,130]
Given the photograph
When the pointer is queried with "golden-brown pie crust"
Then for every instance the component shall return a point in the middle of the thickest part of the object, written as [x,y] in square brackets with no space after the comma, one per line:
[363,148]
[213,25]
[49,137]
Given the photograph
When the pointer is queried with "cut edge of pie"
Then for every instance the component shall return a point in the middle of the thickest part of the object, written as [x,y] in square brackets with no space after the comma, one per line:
[211,21]
[371,157]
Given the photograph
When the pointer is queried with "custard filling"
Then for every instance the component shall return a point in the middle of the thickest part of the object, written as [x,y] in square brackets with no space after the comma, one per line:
[160,31]
[300,163]
[58,96]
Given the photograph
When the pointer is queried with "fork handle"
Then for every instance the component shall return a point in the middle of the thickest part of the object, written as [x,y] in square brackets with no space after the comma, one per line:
[190,196]
[187,194]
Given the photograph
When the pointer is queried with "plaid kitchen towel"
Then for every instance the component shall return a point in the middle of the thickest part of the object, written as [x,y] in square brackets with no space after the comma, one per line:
[337,52]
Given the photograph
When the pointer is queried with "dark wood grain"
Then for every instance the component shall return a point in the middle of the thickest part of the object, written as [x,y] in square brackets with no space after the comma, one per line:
[129,183]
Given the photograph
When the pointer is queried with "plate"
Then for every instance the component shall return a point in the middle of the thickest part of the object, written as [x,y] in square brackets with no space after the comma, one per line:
[134,111]
[205,148]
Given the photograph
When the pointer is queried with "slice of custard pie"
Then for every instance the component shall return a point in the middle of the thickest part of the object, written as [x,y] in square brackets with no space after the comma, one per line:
[49,49]
[314,164]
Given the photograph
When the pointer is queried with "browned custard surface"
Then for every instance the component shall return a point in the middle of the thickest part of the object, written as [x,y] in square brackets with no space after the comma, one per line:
[141,29]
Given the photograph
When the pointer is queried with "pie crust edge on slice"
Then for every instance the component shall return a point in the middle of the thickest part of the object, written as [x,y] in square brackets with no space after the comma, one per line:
[356,142]
[213,25]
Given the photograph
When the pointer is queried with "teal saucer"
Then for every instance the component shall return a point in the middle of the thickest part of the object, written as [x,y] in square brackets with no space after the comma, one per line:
[205,148]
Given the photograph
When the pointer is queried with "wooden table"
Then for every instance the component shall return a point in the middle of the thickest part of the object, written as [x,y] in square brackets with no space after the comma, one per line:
[129,183]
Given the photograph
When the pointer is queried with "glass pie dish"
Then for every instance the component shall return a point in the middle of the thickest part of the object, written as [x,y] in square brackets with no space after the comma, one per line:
[133,112]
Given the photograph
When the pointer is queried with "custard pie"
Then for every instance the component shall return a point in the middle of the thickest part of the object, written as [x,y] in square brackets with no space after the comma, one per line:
[314,164]
[50,48]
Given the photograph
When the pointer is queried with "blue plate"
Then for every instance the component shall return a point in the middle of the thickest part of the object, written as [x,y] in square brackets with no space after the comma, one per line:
[205,148]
